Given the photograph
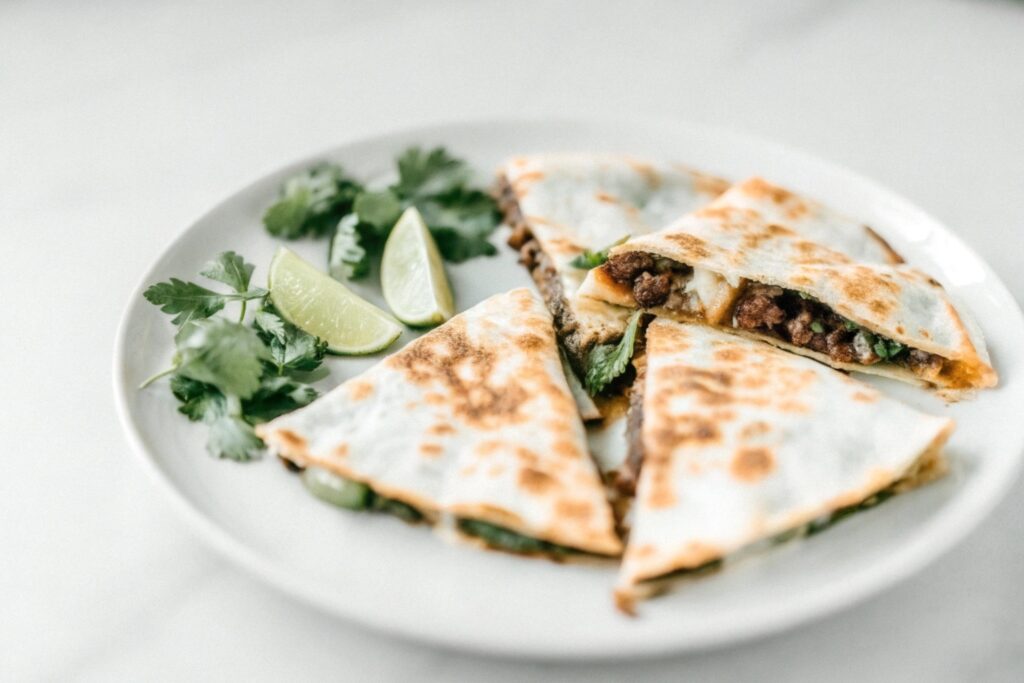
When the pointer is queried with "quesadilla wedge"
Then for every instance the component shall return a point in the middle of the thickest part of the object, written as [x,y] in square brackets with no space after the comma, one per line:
[439,425]
[780,279]
[743,442]
[563,207]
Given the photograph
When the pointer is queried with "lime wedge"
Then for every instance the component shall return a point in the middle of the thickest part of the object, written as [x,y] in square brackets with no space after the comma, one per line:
[324,307]
[412,274]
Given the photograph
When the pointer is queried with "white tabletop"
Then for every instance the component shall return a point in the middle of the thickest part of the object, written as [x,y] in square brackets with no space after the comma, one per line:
[121,122]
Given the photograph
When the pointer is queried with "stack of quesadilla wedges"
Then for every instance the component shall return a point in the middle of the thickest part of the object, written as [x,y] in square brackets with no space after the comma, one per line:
[729,441]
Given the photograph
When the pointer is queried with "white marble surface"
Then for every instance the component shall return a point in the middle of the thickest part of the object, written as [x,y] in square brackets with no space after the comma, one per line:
[120,122]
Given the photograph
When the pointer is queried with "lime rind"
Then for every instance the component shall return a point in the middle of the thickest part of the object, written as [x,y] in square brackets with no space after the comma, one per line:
[322,306]
[413,278]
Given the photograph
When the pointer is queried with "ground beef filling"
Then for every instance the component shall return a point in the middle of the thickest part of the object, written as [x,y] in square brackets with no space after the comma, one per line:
[655,282]
[629,473]
[809,324]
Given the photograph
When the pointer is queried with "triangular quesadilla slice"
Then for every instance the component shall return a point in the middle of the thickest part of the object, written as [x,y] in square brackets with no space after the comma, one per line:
[564,207]
[774,276]
[742,442]
[471,424]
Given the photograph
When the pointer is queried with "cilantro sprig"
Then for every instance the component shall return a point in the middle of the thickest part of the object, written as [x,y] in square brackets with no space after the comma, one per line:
[323,200]
[605,362]
[194,302]
[589,260]
[226,374]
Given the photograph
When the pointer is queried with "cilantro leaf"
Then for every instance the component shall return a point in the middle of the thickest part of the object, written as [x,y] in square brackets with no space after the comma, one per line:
[888,349]
[379,209]
[187,299]
[191,301]
[592,259]
[817,327]
[276,396]
[607,361]
[311,202]
[200,402]
[232,437]
[231,269]
[422,174]
[290,348]
[225,354]
[456,247]
[461,222]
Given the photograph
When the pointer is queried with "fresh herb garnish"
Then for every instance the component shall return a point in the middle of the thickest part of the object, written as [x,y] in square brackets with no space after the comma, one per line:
[290,348]
[312,202]
[194,302]
[888,349]
[850,325]
[592,259]
[607,361]
[817,327]
[460,218]
[228,375]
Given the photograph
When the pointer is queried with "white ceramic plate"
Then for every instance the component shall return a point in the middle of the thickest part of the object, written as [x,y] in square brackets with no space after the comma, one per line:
[403,580]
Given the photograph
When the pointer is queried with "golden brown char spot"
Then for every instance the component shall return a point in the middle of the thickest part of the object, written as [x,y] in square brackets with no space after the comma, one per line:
[684,430]
[802,280]
[755,429]
[441,429]
[730,354]
[526,457]
[605,197]
[793,406]
[531,342]
[708,184]
[449,358]
[495,470]
[535,481]
[710,387]
[762,189]
[864,397]
[488,447]
[579,510]
[431,450]
[291,440]
[752,463]
[565,449]
[693,245]
[341,450]
[900,329]
[360,389]
[925,333]
[646,171]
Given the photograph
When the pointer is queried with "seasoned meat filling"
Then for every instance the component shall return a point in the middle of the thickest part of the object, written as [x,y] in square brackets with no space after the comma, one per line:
[651,290]
[655,282]
[807,323]
[626,477]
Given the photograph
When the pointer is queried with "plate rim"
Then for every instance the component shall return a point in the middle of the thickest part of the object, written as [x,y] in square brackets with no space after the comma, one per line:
[947,528]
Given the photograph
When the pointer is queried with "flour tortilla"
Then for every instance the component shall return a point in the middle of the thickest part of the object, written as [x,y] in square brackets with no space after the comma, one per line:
[575,202]
[440,425]
[729,242]
[743,442]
